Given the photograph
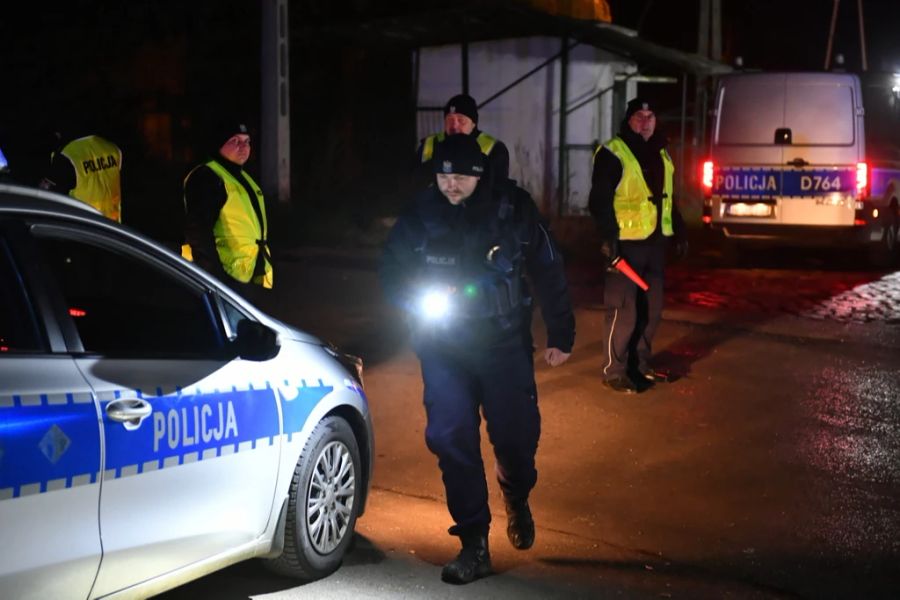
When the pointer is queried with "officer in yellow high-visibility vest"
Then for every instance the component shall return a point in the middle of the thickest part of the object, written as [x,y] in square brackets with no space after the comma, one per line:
[226,227]
[89,169]
[461,116]
[631,201]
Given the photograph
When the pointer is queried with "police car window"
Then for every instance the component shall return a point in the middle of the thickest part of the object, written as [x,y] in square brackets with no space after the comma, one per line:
[233,315]
[18,327]
[123,306]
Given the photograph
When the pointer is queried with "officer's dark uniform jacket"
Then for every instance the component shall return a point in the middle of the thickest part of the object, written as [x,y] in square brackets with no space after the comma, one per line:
[483,248]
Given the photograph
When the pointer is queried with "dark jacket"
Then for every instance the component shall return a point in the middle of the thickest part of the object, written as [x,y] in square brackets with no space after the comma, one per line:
[505,218]
[608,172]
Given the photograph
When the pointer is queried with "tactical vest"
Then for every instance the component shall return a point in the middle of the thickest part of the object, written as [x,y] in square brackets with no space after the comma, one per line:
[635,210]
[485,141]
[240,237]
[98,166]
[484,272]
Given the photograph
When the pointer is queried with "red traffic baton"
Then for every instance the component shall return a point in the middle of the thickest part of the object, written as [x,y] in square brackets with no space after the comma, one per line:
[623,267]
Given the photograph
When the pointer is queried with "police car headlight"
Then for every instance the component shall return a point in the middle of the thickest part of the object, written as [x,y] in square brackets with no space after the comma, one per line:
[435,304]
[352,364]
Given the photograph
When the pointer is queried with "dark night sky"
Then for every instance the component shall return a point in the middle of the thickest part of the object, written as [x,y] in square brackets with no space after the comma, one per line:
[118,61]
[774,34]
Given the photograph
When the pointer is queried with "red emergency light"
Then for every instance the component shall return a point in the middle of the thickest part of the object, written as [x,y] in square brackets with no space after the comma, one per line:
[77,312]
[862,180]
[707,174]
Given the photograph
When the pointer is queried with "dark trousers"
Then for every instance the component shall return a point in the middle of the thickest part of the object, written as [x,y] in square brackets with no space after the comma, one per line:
[633,315]
[501,383]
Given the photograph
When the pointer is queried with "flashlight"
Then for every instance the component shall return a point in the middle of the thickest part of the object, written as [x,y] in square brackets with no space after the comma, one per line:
[435,304]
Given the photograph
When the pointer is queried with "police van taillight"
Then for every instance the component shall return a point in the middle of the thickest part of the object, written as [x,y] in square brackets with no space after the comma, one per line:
[707,173]
[862,180]
[707,176]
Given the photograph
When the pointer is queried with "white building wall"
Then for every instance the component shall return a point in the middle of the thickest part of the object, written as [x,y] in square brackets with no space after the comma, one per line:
[526,117]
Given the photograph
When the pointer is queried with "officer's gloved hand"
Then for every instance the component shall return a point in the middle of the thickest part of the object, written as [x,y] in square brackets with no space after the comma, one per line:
[610,250]
[681,248]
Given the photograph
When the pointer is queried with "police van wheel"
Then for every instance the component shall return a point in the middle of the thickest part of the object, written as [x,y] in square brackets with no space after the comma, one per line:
[323,503]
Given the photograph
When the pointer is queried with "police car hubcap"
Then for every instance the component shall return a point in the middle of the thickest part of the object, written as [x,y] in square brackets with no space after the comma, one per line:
[330,501]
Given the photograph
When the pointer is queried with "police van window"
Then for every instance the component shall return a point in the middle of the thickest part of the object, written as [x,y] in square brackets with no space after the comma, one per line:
[750,111]
[125,307]
[18,327]
[820,114]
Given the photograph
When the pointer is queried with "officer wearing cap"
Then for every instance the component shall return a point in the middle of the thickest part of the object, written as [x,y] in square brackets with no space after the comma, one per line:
[455,264]
[461,116]
[631,201]
[225,214]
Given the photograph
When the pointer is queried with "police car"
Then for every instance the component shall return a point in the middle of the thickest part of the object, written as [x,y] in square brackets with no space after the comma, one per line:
[154,426]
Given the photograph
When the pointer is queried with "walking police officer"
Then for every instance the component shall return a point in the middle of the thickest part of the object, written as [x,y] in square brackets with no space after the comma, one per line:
[461,116]
[225,215]
[455,262]
[631,200]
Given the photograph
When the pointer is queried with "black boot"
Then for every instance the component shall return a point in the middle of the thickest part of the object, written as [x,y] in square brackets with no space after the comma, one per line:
[472,562]
[519,524]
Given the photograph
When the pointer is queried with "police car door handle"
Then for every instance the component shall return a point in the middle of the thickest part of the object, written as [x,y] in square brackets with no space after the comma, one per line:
[130,411]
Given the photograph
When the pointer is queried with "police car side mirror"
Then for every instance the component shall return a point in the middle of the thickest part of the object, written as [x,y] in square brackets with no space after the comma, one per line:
[255,341]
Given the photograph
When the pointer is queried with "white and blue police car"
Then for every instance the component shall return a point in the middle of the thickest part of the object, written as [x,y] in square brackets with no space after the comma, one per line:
[155,426]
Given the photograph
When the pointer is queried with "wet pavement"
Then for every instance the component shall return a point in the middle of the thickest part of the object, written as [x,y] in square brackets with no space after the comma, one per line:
[770,468]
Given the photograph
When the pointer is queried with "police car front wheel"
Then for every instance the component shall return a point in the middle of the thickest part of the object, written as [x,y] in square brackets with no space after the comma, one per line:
[322,506]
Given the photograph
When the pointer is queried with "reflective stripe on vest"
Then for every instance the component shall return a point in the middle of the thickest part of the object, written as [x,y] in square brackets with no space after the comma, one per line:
[239,235]
[485,142]
[98,166]
[635,211]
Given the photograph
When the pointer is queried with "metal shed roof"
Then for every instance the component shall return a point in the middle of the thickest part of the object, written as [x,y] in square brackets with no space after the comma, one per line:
[435,23]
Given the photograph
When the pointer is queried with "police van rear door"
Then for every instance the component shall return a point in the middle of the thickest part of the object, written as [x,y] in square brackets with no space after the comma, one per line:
[191,435]
[50,457]
[749,110]
[819,179]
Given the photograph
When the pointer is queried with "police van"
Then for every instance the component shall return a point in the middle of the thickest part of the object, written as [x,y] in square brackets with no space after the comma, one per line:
[805,159]
[155,426]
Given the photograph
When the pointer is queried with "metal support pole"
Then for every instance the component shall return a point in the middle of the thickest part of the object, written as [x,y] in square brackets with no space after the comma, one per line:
[464,47]
[275,152]
[834,14]
[703,29]
[563,100]
[684,87]
[862,36]
[716,30]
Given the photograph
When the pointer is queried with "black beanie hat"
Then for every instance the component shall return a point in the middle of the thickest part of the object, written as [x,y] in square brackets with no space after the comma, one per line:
[462,104]
[634,105]
[219,132]
[460,154]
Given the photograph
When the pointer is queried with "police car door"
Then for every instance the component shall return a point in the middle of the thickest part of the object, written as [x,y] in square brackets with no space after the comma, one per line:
[49,450]
[191,437]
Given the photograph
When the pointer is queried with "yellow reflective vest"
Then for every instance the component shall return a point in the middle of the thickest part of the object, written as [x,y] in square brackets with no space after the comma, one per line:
[98,167]
[239,235]
[635,211]
[485,141]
